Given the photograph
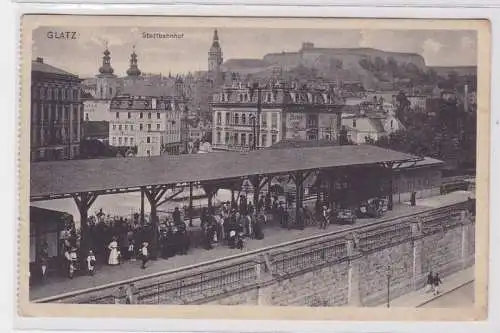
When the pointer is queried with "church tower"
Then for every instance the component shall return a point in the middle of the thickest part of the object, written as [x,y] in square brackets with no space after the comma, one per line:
[133,70]
[106,83]
[215,55]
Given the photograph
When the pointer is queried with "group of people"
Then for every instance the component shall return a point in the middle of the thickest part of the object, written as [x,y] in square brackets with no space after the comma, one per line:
[433,283]
[231,223]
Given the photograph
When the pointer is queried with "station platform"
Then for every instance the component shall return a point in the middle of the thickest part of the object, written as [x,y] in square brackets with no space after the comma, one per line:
[274,235]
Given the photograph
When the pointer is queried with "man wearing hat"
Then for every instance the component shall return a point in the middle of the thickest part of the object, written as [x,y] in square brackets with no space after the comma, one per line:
[144,255]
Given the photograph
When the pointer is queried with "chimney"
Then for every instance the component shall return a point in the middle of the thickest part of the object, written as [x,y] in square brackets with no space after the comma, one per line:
[39,60]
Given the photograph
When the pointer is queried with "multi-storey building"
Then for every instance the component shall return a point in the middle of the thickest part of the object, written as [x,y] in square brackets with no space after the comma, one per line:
[56,113]
[274,113]
[151,124]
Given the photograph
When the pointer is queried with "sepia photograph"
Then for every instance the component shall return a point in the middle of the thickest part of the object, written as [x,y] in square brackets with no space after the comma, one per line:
[235,163]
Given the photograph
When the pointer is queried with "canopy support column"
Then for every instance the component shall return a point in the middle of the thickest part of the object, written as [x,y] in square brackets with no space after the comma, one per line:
[154,195]
[299,196]
[142,207]
[84,201]
[190,209]
[390,204]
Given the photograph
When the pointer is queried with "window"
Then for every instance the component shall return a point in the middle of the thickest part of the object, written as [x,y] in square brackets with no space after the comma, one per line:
[148,140]
[117,115]
[274,138]
[149,127]
[235,138]
[131,141]
[114,127]
[268,98]
[129,115]
[243,119]
[264,120]
[157,115]
[141,115]
[274,120]
[148,152]
[110,91]
[218,137]
[236,118]
[119,127]
[227,138]
[126,127]
[149,115]
[114,141]
[354,123]
[243,139]
[219,118]
[264,140]
[140,127]
[131,127]
[250,139]
[158,127]
[126,140]
[241,98]
[87,117]
[120,140]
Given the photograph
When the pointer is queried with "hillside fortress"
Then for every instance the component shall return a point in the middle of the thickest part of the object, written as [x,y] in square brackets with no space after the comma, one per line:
[320,58]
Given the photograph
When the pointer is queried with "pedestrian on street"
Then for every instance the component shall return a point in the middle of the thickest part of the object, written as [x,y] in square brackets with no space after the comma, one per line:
[430,283]
[437,281]
[144,255]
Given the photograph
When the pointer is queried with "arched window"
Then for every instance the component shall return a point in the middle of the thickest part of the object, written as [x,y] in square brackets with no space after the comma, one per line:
[228,118]
[243,139]
[243,119]
[236,118]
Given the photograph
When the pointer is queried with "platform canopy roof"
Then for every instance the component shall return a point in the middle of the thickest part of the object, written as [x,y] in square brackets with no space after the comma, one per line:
[58,179]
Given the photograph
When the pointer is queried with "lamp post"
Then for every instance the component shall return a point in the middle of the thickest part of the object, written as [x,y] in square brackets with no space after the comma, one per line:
[388,286]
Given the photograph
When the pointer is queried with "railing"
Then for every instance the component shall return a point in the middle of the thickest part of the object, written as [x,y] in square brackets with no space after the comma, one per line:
[194,283]
[297,260]
[199,286]
[384,237]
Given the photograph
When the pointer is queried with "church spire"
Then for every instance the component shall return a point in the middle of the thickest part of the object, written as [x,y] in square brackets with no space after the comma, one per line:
[134,69]
[106,68]
[215,58]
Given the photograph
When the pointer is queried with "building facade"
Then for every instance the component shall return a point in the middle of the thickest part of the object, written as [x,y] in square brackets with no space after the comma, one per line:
[56,113]
[151,124]
[285,113]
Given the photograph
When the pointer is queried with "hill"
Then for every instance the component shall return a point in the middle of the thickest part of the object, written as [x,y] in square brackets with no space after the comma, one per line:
[375,69]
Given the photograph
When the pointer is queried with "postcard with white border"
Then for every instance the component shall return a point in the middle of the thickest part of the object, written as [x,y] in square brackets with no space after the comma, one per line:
[254,168]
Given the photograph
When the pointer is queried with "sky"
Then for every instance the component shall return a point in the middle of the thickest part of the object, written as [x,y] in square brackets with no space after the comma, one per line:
[83,56]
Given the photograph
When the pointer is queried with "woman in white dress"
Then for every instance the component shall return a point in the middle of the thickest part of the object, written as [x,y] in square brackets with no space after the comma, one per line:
[113,252]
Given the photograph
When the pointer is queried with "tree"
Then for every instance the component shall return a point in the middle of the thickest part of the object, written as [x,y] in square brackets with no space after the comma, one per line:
[379,64]
[392,66]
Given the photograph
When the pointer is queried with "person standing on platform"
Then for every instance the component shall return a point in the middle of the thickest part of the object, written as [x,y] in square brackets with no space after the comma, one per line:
[413,199]
[176,215]
[91,263]
[44,259]
[144,255]
[113,253]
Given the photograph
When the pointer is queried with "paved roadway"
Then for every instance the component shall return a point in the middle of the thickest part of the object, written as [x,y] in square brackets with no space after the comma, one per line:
[56,285]
[458,298]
